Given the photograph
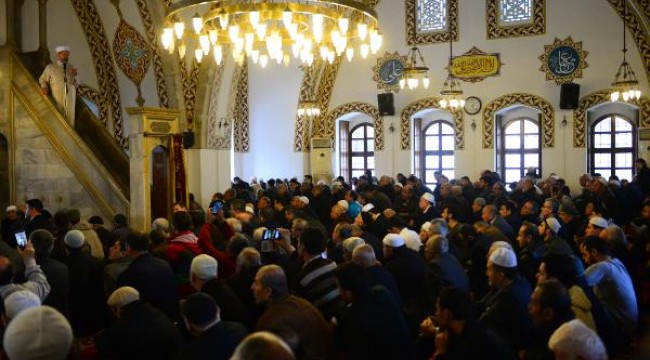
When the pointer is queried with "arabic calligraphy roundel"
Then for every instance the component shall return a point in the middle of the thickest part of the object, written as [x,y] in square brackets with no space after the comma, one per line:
[563,60]
[132,52]
[388,71]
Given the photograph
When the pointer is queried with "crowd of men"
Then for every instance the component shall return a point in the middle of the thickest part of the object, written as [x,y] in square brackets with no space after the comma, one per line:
[380,268]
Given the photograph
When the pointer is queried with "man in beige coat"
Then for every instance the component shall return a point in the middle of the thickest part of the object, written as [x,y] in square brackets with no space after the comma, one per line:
[60,80]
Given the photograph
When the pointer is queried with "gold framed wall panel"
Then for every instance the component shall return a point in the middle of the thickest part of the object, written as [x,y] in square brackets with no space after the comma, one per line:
[530,100]
[430,103]
[413,37]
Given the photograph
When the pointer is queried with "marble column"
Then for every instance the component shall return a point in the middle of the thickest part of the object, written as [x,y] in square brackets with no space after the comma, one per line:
[150,127]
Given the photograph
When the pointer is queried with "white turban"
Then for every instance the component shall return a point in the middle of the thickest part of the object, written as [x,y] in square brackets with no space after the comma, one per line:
[58,49]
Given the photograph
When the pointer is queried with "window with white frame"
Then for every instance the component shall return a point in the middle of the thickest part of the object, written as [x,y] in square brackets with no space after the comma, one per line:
[612,146]
[431,15]
[356,149]
[518,148]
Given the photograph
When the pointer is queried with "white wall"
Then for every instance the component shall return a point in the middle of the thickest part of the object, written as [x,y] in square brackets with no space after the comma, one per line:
[273,100]
[594,22]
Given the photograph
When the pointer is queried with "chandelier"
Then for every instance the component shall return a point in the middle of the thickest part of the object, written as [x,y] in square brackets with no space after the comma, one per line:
[451,93]
[626,85]
[273,30]
[413,73]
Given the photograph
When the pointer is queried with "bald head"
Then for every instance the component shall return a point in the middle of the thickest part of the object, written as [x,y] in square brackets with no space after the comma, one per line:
[364,255]
[273,277]
[263,345]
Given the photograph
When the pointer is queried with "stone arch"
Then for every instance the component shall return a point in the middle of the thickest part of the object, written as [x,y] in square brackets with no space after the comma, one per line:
[530,100]
[430,103]
[361,107]
[597,98]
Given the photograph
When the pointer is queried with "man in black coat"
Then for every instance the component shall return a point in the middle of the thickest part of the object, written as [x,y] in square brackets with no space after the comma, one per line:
[372,326]
[203,277]
[141,330]
[211,337]
[35,217]
[86,298]
[152,277]
[444,270]
[364,255]
[55,271]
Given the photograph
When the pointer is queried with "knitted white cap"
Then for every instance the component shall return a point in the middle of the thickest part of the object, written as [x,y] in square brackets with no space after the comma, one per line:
[38,333]
[344,204]
[74,239]
[393,240]
[504,257]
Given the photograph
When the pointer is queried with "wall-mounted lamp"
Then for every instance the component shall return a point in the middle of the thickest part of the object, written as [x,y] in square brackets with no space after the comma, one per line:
[391,128]
[564,121]
[473,125]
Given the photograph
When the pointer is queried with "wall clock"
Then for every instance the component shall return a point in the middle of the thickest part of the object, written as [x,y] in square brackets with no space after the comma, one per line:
[388,71]
[473,105]
[563,60]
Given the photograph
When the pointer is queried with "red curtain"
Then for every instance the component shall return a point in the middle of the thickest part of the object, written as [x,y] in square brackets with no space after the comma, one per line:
[180,193]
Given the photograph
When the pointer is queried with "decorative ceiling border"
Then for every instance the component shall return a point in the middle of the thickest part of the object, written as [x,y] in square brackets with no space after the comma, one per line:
[96,97]
[189,82]
[241,118]
[300,141]
[496,31]
[430,103]
[413,37]
[93,28]
[217,139]
[361,107]
[150,32]
[530,100]
[597,98]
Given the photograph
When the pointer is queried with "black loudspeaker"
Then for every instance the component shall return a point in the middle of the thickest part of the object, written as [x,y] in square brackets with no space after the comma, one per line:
[569,96]
[188,139]
[386,106]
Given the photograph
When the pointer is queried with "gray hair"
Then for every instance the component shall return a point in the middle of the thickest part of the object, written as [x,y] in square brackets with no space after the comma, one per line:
[273,277]
[480,201]
[161,225]
[249,257]
[234,224]
[438,226]
[263,345]
[364,255]
[575,340]
[351,243]
[438,244]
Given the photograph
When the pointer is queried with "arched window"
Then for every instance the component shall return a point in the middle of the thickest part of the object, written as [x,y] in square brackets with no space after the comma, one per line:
[361,145]
[438,151]
[519,148]
[612,146]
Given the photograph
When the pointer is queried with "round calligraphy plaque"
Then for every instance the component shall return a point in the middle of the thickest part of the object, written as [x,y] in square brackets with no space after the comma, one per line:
[388,71]
[563,60]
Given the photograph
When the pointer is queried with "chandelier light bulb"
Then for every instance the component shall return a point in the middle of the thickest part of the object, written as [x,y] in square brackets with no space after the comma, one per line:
[637,94]
[198,54]
[292,30]
[362,29]
[413,83]
[204,41]
[287,17]
[179,29]
[626,96]
[453,103]
[224,20]
[264,59]
[255,56]
[295,50]
[218,54]
[365,49]
[249,39]
[317,20]
[349,53]
[261,31]
[167,38]
[443,103]
[615,96]
[233,32]
[254,18]
[330,56]
[301,112]
[425,83]
[197,23]
[344,25]
[402,83]
[213,34]
[239,46]
[310,59]
[287,60]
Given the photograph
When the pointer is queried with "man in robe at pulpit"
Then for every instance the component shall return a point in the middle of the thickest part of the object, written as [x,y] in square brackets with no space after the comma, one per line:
[60,80]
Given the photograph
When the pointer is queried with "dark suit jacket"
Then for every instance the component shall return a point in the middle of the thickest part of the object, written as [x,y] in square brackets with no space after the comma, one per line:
[142,332]
[216,343]
[59,280]
[155,281]
[39,222]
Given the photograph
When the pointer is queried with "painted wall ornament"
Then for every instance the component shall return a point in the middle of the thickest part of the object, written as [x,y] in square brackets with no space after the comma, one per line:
[476,65]
[132,52]
[563,60]
[388,71]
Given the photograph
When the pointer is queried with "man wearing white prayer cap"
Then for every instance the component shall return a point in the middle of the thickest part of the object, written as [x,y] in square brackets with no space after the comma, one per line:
[59,79]
[505,308]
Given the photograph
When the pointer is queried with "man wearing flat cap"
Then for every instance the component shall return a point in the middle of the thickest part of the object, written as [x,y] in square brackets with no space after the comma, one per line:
[59,79]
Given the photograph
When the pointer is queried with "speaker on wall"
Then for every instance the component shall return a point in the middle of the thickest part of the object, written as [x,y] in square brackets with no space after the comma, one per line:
[385,104]
[569,96]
